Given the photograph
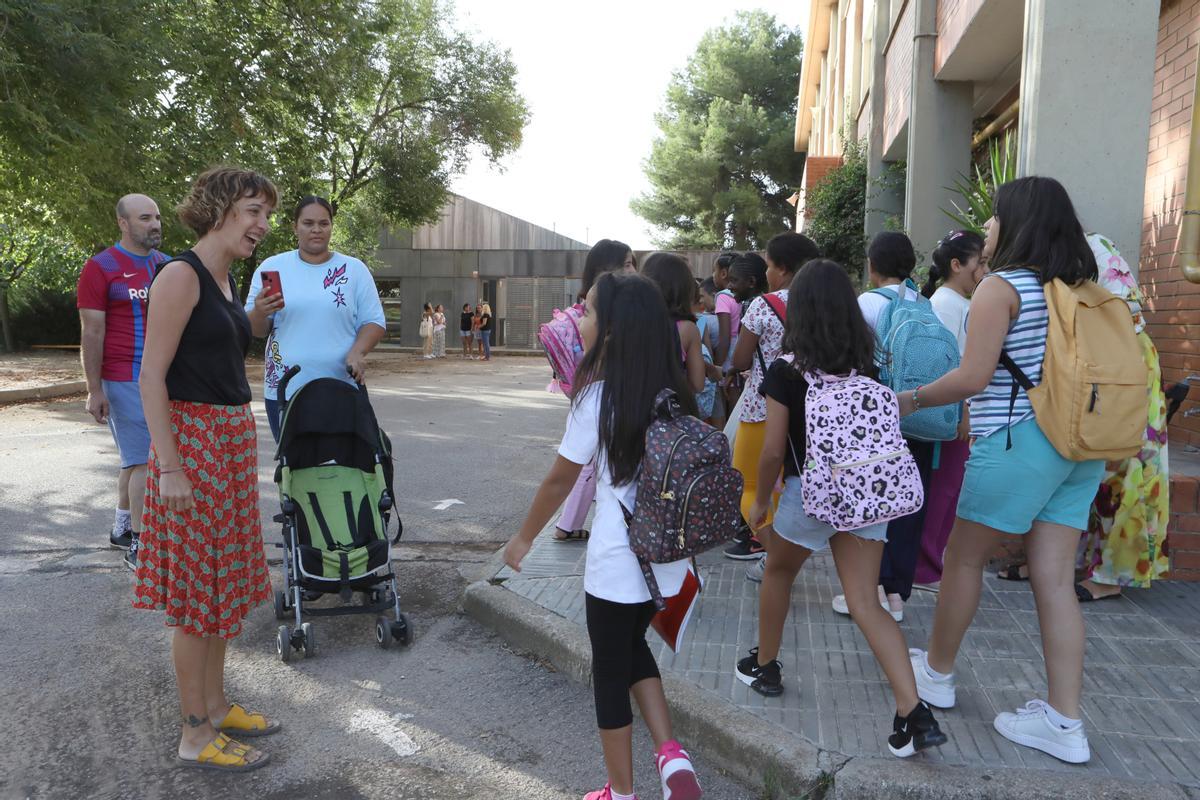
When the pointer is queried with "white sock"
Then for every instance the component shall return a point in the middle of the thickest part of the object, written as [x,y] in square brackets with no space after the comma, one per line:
[1059,720]
[937,676]
[616,796]
[121,521]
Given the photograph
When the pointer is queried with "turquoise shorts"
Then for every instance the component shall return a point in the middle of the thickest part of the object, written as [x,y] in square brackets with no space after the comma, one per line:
[1009,490]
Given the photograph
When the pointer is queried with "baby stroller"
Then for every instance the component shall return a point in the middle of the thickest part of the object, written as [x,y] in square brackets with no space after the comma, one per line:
[335,490]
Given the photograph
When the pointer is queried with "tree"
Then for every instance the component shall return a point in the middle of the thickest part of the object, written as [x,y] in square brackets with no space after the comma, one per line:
[837,208]
[376,102]
[724,166]
[27,243]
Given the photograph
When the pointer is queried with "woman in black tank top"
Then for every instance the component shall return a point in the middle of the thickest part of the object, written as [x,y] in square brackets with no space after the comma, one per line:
[201,557]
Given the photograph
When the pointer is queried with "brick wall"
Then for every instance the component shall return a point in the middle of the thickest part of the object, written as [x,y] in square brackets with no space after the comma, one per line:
[897,80]
[815,170]
[953,17]
[1173,304]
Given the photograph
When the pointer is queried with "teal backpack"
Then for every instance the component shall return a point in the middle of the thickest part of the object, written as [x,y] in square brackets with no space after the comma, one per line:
[914,348]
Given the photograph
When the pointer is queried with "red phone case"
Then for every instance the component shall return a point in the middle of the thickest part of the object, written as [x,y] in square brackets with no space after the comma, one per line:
[271,284]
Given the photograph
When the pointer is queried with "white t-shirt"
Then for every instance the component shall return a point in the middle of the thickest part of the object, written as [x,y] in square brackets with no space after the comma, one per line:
[325,306]
[951,308]
[612,571]
[873,304]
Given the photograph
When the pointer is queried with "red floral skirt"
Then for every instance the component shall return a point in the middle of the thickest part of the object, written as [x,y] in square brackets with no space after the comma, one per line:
[206,567]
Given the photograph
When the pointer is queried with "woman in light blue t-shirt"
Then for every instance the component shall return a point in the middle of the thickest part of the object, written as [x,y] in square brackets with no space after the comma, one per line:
[327,317]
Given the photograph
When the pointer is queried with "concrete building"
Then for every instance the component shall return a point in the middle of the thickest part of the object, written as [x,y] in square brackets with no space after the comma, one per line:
[1098,93]
[476,253]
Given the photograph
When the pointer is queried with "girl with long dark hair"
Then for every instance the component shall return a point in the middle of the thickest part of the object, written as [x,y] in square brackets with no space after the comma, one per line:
[631,355]
[957,268]
[674,279]
[606,255]
[1027,489]
[825,333]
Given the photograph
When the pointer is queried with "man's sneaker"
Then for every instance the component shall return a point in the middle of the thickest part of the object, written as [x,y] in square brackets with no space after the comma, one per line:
[120,540]
[676,772]
[916,732]
[755,571]
[840,606]
[745,549]
[1031,726]
[767,679]
[131,555]
[938,692]
[602,794]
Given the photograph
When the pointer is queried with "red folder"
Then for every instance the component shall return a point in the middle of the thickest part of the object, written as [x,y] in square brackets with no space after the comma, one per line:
[672,621]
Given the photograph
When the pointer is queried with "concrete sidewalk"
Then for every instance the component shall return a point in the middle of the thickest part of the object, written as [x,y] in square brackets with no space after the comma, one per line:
[828,730]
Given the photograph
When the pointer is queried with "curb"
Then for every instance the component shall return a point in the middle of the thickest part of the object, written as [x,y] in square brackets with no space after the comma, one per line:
[764,755]
[43,392]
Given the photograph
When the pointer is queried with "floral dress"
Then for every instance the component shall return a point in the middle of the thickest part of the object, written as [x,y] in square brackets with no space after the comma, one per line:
[1125,541]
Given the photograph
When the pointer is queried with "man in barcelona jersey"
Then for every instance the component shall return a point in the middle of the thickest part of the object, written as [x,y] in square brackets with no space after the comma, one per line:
[113,288]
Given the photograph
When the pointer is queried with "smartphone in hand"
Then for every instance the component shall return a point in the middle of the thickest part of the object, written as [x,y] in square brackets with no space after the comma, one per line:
[271,284]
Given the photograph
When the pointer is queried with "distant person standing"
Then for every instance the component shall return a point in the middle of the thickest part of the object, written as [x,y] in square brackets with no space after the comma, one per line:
[111,298]
[487,323]
[439,331]
[476,335]
[464,329]
[426,331]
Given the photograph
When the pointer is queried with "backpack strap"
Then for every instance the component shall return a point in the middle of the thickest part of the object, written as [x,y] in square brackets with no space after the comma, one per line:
[775,303]
[1020,381]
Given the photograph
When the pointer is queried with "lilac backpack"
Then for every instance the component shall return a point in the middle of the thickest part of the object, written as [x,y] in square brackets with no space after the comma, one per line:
[563,344]
[688,493]
[857,470]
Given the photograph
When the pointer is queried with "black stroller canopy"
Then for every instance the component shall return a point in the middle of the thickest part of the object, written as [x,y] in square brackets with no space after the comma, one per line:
[330,420]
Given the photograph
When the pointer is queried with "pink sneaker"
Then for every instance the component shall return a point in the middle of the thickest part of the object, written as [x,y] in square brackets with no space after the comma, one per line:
[603,794]
[677,773]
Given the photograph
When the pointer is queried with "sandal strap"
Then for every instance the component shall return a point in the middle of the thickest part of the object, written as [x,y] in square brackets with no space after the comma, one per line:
[223,750]
[239,718]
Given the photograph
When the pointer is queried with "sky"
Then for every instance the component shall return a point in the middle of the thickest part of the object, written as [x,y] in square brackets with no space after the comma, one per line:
[593,75]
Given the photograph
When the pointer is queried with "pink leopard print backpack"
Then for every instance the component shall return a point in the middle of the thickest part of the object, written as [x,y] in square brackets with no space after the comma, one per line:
[857,470]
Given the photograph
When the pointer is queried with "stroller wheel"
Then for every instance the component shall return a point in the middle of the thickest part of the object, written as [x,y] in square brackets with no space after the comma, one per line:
[401,630]
[383,633]
[281,605]
[309,637]
[283,643]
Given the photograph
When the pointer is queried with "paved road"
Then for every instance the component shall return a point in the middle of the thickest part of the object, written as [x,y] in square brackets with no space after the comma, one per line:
[89,703]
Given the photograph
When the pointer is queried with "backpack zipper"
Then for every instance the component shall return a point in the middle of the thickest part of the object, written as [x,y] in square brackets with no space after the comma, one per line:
[863,462]
[1095,398]
[687,498]
[663,494]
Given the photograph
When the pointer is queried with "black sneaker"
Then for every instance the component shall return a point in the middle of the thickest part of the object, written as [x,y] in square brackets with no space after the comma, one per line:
[916,732]
[120,541]
[132,553]
[747,549]
[765,679]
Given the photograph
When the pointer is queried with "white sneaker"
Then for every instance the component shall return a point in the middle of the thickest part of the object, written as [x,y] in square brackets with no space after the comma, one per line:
[839,605]
[755,571]
[1031,726]
[938,693]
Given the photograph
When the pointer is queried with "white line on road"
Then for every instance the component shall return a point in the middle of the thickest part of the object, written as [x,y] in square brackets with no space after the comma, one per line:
[442,506]
[385,727]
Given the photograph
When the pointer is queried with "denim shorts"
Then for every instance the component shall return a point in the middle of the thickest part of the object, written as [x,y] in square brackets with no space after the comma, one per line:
[799,528]
[465,334]
[1009,490]
[127,422]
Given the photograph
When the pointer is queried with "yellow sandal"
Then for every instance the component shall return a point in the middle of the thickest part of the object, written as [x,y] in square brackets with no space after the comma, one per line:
[225,755]
[241,722]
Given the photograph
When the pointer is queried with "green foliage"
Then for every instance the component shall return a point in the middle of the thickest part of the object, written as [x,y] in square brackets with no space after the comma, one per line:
[838,208]
[723,168]
[47,264]
[974,206]
[376,99]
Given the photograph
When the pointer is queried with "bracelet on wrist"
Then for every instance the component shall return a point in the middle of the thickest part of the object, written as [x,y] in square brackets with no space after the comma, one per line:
[169,471]
[917,398]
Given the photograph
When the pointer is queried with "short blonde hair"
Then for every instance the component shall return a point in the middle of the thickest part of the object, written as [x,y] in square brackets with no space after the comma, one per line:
[487,309]
[215,192]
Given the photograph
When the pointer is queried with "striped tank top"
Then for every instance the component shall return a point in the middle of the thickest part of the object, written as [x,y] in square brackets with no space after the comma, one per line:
[1026,344]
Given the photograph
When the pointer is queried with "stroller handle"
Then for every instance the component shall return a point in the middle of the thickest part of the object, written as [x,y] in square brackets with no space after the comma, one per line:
[362,385]
[281,390]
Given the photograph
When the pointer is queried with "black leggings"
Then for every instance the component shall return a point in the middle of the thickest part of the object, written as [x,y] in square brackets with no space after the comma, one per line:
[620,656]
[899,563]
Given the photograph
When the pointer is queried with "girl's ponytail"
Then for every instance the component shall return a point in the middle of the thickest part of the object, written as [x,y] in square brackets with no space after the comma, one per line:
[961,245]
